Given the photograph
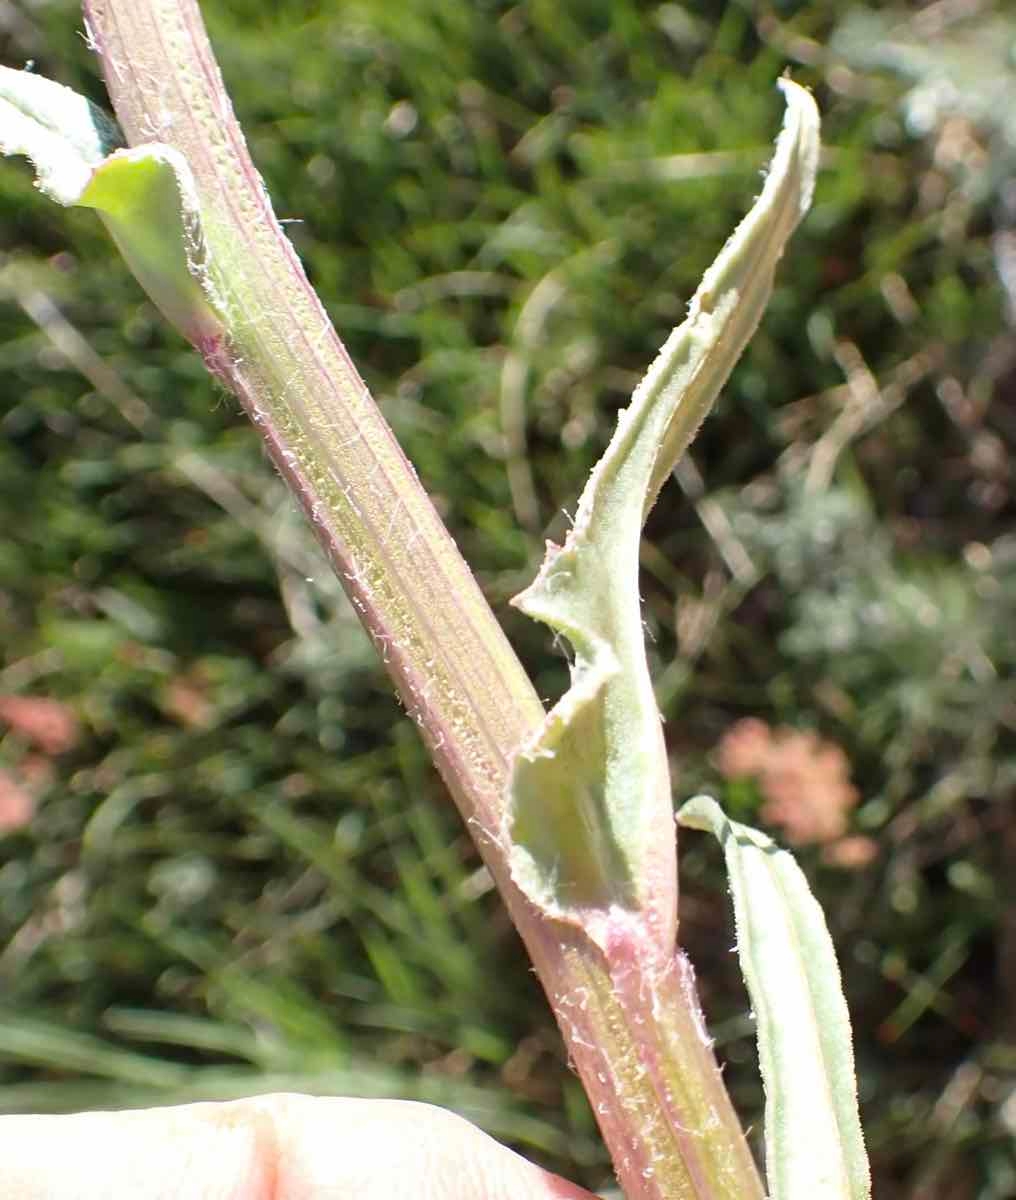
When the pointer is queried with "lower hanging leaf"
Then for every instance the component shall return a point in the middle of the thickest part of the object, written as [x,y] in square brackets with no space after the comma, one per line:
[814,1144]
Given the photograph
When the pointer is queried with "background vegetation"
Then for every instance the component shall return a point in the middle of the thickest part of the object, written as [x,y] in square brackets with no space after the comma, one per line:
[227,864]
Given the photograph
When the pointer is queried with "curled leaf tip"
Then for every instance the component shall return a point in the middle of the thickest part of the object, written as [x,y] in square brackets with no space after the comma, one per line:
[801,131]
[63,134]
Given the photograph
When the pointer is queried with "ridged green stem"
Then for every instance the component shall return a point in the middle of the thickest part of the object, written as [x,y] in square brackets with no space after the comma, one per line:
[632,1026]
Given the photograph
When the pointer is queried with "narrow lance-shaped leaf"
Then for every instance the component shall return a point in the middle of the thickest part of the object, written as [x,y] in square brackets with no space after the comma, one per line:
[592,826]
[814,1144]
[144,196]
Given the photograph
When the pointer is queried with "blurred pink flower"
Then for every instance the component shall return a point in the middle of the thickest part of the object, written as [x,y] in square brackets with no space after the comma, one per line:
[50,724]
[745,748]
[805,781]
[851,852]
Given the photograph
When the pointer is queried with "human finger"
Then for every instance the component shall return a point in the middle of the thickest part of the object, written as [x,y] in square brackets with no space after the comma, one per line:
[279,1147]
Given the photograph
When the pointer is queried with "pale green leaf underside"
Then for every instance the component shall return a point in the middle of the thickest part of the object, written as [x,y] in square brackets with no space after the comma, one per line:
[590,809]
[814,1144]
[147,200]
[145,195]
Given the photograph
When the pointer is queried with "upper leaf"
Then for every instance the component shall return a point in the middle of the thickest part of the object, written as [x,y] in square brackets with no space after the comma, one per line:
[65,135]
[145,195]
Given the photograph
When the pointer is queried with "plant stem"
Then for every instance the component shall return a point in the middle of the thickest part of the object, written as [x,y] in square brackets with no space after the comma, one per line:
[632,1024]
[283,360]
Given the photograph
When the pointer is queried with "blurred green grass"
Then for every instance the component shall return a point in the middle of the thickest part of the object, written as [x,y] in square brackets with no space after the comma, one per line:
[243,873]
